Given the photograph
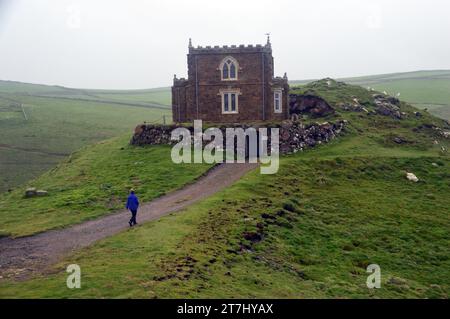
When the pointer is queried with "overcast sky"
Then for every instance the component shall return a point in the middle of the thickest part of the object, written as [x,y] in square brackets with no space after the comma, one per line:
[141,44]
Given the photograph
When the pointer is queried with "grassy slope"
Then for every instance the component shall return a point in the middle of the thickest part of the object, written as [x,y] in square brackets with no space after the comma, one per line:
[92,182]
[423,89]
[57,126]
[332,211]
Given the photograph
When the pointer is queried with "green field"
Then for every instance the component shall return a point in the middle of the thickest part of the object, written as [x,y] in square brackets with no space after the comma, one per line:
[93,181]
[56,121]
[308,231]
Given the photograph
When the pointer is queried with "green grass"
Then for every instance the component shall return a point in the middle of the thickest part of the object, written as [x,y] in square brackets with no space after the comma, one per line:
[58,124]
[159,96]
[93,182]
[331,216]
[423,89]
[327,214]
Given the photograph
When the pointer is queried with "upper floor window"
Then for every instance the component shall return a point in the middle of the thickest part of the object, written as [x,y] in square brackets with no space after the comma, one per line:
[229,69]
[277,100]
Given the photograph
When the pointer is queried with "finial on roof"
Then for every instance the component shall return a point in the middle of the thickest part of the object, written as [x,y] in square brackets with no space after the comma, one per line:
[285,75]
[190,43]
[174,76]
[268,39]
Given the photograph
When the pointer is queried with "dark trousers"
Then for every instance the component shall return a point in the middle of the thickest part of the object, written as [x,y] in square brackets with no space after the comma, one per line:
[133,216]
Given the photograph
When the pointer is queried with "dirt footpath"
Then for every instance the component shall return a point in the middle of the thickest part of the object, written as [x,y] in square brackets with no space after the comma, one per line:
[22,257]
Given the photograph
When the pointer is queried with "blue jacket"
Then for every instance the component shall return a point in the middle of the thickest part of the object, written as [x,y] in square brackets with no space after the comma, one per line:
[132,202]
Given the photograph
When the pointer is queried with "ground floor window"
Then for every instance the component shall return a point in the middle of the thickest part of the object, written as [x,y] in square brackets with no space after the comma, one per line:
[277,101]
[230,101]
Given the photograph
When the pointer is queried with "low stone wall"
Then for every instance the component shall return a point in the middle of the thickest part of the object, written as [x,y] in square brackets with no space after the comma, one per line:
[294,136]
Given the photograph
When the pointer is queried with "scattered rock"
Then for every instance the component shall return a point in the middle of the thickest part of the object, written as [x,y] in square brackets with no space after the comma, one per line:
[289,207]
[267,216]
[41,193]
[396,281]
[252,236]
[388,106]
[445,134]
[30,192]
[412,177]
[399,140]
[434,164]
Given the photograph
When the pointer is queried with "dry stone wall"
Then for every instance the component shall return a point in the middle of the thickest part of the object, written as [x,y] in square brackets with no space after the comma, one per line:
[293,135]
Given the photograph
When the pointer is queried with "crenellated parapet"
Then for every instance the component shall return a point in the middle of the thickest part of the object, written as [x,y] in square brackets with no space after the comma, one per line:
[179,82]
[232,49]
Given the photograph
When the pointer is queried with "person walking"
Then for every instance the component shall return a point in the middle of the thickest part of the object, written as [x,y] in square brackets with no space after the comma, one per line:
[132,206]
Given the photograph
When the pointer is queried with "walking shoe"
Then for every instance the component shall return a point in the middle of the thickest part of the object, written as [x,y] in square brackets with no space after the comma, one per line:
[129,223]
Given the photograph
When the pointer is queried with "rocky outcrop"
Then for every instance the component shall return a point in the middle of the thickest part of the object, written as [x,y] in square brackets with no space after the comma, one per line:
[293,135]
[309,104]
[387,106]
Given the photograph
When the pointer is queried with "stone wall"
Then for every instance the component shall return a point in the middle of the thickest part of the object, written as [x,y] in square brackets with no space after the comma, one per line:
[294,136]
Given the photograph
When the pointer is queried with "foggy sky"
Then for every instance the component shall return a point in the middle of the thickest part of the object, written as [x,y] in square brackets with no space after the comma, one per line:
[141,44]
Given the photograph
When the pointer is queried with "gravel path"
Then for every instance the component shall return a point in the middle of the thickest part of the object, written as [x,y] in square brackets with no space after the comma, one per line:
[23,257]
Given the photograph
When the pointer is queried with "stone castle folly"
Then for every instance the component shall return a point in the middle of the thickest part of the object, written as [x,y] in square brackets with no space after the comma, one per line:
[230,84]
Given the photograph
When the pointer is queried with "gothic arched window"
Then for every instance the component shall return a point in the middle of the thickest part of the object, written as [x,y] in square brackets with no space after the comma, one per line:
[229,69]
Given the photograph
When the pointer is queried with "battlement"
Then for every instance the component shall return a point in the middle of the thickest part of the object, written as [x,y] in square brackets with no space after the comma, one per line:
[179,81]
[225,49]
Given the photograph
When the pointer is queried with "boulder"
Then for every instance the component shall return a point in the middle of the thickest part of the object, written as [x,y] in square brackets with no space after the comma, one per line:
[399,140]
[41,193]
[30,192]
[412,177]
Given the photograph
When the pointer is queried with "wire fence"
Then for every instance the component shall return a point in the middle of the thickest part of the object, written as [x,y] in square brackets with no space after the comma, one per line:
[160,120]
[23,111]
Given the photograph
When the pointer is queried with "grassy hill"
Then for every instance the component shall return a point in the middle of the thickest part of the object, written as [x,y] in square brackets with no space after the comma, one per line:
[308,231]
[423,89]
[41,125]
